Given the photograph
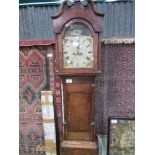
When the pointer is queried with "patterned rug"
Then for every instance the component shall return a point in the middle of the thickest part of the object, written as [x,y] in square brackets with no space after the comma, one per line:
[33,79]
[115,86]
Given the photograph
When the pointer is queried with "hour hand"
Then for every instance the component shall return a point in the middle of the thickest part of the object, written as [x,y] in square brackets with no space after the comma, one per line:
[78,47]
[80,54]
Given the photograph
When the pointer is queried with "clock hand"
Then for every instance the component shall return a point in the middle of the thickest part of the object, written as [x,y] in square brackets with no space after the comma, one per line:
[78,47]
[77,50]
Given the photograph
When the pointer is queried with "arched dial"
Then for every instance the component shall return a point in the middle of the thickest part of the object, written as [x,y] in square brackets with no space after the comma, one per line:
[78,52]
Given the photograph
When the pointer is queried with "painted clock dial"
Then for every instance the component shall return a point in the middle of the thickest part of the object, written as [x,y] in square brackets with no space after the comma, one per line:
[77,47]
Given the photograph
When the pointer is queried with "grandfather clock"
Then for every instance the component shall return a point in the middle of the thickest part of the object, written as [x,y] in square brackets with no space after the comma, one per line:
[77,28]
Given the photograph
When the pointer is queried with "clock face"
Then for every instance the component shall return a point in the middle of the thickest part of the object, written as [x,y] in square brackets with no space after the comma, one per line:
[78,47]
[78,52]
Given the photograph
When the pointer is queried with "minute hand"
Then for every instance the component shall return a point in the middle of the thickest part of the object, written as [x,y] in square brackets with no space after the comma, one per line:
[78,51]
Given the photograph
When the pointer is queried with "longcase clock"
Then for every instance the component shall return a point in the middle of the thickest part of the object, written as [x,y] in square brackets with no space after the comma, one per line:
[77,29]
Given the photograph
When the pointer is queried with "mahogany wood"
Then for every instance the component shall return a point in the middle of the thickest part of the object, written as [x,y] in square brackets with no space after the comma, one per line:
[68,13]
[88,16]
[77,71]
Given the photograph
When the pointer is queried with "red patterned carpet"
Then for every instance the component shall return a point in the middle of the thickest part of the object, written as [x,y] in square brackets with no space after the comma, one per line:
[33,79]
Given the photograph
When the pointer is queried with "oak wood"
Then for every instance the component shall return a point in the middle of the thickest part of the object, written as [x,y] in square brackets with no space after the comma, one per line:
[79,109]
[79,144]
[79,148]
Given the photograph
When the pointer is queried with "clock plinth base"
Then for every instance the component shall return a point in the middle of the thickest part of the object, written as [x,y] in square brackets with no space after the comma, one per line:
[79,148]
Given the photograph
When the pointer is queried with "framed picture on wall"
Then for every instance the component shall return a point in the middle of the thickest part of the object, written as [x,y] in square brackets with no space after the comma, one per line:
[121,136]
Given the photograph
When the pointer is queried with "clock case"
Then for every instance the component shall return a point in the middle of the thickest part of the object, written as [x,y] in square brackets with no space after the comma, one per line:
[82,14]
[78,138]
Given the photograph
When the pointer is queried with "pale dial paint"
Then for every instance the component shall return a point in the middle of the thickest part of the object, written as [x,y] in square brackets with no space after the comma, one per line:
[78,52]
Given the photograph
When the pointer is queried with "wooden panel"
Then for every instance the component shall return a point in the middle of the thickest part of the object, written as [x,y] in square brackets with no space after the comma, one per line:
[79,79]
[79,152]
[78,110]
[79,148]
